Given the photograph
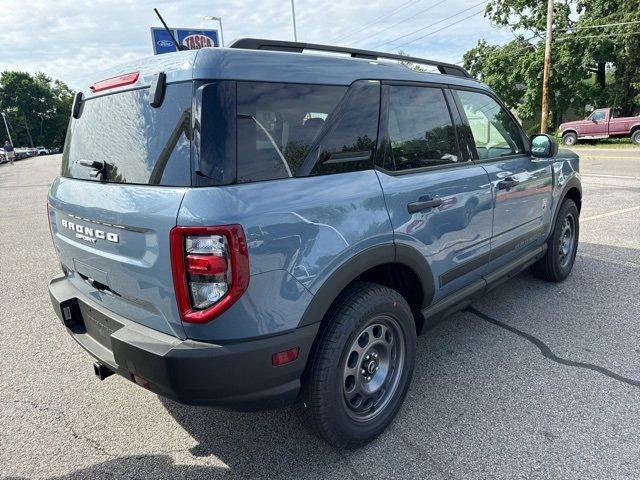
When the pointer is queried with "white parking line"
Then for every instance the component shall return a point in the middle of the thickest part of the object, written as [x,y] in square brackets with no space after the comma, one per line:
[609,214]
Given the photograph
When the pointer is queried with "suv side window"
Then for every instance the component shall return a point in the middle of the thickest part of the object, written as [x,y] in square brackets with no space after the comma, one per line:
[277,124]
[495,134]
[420,128]
[351,141]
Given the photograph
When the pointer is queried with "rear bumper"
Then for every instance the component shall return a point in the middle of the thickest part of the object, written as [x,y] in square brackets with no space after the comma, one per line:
[237,375]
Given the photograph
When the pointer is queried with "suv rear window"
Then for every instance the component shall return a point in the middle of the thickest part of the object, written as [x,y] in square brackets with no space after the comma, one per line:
[138,143]
[278,126]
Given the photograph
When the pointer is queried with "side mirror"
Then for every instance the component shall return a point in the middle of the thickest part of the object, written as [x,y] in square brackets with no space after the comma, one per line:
[543,146]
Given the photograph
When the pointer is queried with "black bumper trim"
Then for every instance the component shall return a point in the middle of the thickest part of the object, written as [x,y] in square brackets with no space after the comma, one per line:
[238,375]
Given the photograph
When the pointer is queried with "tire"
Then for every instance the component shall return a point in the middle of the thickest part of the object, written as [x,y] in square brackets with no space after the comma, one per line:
[371,329]
[562,245]
[635,137]
[569,138]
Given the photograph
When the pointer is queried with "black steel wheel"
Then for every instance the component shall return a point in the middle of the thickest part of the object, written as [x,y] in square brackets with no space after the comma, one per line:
[373,368]
[361,367]
[562,245]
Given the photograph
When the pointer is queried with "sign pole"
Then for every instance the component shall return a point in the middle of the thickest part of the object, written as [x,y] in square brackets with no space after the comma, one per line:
[293,14]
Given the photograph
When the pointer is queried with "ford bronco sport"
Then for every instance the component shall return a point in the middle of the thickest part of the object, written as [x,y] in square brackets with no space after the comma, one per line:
[254,226]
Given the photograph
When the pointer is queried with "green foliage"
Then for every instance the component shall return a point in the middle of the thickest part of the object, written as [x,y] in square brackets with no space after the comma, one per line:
[36,107]
[514,70]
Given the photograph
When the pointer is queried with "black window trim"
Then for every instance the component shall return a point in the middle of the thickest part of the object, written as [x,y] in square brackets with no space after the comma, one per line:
[525,139]
[383,130]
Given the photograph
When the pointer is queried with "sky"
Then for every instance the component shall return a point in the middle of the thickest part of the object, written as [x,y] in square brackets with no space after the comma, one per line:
[69,39]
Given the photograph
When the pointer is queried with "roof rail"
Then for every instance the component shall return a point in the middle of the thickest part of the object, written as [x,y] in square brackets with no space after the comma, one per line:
[299,47]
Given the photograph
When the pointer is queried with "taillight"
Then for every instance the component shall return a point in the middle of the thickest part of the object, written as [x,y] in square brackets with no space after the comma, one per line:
[210,269]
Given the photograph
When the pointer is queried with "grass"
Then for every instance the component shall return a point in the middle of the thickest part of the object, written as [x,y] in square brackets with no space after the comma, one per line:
[617,143]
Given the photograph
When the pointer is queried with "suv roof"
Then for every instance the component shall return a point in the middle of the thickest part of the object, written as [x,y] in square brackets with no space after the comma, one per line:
[278,61]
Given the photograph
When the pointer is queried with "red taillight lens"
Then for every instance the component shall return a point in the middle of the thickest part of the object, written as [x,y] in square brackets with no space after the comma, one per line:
[210,269]
[206,264]
[119,81]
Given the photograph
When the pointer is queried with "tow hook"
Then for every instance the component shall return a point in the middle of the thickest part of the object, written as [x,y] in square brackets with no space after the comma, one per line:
[102,371]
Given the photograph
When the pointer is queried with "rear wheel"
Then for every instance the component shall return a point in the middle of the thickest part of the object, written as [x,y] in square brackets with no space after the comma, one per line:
[562,246]
[362,367]
[635,137]
[569,139]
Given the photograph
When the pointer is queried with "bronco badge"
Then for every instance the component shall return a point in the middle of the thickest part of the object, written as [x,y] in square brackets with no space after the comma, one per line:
[89,234]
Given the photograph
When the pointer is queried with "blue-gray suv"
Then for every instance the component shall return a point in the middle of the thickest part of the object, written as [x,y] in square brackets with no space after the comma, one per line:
[256,226]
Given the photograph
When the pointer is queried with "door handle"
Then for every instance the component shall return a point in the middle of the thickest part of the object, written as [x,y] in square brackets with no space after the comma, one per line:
[423,205]
[507,183]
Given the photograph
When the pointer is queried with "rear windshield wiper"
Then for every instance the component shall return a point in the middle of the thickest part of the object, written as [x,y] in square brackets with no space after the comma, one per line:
[98,166]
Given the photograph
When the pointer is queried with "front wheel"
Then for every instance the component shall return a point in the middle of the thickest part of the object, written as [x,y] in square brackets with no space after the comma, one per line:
[362,367]
[635,137]
[569,139]
[562,245]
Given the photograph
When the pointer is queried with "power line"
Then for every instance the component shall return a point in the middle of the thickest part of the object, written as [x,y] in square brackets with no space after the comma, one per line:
[431,25]
[602,35]
[520,46]
[431,7]
[440,29]
[578,27]
[374,22]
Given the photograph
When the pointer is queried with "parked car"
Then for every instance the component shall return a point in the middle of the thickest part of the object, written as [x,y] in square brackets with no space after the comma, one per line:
[43,151]
[274,226]
[601,123]
[25,152]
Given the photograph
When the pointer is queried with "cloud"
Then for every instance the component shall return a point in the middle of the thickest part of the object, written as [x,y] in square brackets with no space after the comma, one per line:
[70,39]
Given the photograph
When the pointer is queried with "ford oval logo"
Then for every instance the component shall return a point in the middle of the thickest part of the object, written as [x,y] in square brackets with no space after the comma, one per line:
[196,41]
[165,43]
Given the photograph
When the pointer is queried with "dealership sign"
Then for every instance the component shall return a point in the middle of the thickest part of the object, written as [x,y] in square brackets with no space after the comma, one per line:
[192,39]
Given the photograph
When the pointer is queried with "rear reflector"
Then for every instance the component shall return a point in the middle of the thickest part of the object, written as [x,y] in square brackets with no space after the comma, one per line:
[119,81]
[206,265]
[287,356]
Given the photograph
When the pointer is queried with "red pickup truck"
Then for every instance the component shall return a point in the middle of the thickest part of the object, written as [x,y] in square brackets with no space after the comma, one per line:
[602,123]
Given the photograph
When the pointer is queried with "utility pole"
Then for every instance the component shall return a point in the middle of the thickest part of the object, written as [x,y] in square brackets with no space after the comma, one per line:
[544,118]
[7,127]
[293,14]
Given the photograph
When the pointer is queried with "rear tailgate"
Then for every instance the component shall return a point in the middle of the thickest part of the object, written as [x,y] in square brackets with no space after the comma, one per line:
[125,169]
[114,242]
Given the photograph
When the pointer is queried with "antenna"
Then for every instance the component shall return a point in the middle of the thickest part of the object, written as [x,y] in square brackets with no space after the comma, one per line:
[178,46]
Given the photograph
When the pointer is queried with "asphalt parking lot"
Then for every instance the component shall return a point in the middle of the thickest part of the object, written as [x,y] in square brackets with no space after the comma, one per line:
[537,380]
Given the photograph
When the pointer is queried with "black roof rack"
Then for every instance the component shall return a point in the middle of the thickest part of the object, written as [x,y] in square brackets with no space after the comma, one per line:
[284,46]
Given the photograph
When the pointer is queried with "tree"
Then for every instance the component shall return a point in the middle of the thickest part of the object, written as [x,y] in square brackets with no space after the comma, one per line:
[515,69]
[37,108]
